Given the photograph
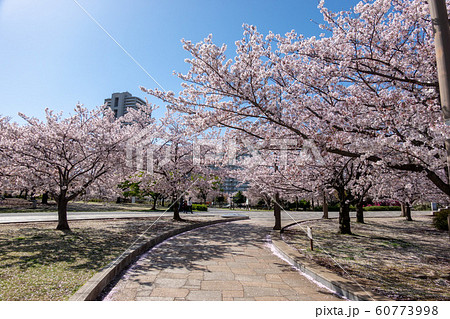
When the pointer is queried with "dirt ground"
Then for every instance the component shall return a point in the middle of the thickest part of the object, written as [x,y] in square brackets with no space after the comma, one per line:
[399,259]
[38,262]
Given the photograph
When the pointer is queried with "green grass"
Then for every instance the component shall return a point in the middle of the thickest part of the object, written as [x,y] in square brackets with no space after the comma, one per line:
[200,207]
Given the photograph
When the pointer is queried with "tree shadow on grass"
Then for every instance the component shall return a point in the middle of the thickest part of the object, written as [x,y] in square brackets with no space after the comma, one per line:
[82,248]
[404,260]
[409,237]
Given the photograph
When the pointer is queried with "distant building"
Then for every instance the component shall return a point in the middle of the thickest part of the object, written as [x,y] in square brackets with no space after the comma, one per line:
[231,185]
[120,102]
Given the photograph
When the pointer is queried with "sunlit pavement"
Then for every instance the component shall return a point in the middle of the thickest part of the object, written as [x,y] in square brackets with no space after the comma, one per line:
[231,261]
[260,216]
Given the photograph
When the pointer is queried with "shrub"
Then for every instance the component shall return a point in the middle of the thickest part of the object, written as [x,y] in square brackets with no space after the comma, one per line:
[331,208]
[96,200]
[381,208]
[200,207]
[239,198]
[440,219]
[422,207]
[386,203]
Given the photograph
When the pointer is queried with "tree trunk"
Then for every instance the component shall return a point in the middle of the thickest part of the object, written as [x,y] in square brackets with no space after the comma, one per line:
[408,212]
[403,208]
[45,198]
[344,218]
[312,204]
[62,213]
[154,202]
[176,209]
[359,213]
[325,207]
[277,212]
[176,213]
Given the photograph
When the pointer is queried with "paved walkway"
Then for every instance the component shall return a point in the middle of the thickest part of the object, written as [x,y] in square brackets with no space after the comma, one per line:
[229,261]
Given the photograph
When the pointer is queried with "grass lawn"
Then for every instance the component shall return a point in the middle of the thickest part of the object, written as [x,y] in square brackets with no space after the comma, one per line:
[38,262]
[390,256]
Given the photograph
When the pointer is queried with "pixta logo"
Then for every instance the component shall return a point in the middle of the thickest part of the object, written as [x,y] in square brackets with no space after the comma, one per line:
[145,150]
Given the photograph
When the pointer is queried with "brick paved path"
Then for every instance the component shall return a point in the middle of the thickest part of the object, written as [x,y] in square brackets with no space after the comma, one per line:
[229,261]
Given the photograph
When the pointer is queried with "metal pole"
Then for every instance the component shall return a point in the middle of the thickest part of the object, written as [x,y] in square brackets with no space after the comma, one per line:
[439,19]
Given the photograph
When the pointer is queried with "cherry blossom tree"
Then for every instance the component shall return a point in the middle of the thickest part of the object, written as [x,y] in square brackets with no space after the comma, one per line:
[4,158]
[367,92]
[170,168]
[415,188]
[67,157]
[295,173]
[384,51]
[207,186]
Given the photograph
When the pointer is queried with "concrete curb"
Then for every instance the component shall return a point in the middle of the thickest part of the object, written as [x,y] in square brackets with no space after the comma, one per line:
[94,286]
[329,279]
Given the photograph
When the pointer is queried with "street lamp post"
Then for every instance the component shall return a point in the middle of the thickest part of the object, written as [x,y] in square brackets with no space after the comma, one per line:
[439,19]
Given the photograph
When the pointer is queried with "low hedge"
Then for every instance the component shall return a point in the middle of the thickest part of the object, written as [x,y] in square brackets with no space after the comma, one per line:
[335,208]
[381,208]
[200,207]
[331,208]
[440,219]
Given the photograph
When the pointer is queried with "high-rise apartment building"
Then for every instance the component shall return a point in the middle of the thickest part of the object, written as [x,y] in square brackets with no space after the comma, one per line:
[120,102]
[231,185]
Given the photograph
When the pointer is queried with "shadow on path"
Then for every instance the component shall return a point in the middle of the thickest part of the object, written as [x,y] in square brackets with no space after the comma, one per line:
[190,250]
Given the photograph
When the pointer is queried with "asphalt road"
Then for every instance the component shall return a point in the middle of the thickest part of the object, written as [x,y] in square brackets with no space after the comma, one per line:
[260,216]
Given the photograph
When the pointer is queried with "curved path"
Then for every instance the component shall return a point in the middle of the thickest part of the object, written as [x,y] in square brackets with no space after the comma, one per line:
[231,261]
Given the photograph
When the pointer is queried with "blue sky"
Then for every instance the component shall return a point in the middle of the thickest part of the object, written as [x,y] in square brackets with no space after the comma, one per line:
[53,55]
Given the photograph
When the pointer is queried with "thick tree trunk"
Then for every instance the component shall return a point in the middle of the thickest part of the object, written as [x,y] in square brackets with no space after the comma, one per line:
[62,213]
[45,198]
[277,212]
[154,202]
[176,213]
[359,213]
[176,210]
[344,218]
[403,208]
[325,207]
[408,212]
